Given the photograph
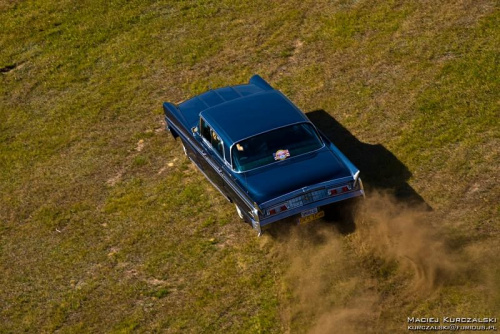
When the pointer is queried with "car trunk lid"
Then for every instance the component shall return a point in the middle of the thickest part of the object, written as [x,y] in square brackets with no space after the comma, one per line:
[280,178]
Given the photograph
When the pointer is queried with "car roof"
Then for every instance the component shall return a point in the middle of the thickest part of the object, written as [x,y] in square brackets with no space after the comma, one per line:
[250,115]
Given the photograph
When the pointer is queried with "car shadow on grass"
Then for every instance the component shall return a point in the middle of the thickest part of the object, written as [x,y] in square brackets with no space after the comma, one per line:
[380,171]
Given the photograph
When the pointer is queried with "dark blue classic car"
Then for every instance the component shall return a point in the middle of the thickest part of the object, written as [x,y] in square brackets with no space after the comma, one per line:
[262,153]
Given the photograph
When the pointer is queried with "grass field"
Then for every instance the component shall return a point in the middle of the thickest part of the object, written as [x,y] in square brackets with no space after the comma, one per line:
[105,226]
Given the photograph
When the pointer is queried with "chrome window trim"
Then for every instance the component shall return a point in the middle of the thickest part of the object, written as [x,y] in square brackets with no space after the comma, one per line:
[209,144]
[280,127]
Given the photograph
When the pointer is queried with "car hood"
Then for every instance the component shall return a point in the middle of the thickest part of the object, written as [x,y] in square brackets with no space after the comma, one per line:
[266,183]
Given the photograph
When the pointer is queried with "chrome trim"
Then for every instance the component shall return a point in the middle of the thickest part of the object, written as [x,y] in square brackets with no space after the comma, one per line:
[355,177]
[255,214]
[256,226]
[361,187]
[280,127]
[256,207]
[209,144]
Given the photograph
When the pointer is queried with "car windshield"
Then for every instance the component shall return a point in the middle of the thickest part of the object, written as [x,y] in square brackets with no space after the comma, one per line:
[275,145]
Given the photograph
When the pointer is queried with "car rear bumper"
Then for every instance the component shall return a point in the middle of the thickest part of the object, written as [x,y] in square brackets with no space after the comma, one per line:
[266,221]
[269,220]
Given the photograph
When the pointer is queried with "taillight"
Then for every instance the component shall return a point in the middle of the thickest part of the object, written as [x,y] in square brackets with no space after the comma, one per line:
[337,191]
[277,209]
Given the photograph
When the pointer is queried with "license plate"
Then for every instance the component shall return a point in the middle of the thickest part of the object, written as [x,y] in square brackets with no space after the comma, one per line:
[308,212]
[311,217]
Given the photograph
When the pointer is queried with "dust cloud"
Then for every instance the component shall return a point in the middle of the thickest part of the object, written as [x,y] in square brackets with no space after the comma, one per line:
[359,282]
[396,232]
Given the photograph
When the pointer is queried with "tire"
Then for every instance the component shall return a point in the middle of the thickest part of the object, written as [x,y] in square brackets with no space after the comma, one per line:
[184,149]
[241,215]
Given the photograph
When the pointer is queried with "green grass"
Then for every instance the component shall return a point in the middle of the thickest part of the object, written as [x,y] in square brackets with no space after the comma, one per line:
[105,225]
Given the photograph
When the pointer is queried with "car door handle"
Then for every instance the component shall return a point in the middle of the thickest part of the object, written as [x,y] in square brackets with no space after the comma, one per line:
[219,170]
[203,153]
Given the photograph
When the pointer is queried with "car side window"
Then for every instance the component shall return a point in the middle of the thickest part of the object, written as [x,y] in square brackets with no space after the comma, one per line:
[216,143]
[211,137]
[205,130]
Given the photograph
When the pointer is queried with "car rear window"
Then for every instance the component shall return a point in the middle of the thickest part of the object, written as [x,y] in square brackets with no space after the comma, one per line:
[274,146]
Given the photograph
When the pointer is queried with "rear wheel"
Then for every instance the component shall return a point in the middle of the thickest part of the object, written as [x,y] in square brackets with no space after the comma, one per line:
[238,210]
[241,215]
[184,149]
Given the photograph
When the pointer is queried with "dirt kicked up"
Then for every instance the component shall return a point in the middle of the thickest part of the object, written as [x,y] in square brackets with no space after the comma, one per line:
[395,261]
